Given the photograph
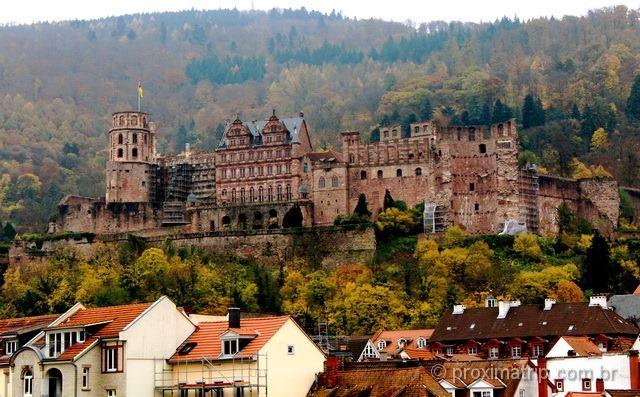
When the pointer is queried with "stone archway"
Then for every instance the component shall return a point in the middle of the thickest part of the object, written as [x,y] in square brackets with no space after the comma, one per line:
[273,223]
[53,383]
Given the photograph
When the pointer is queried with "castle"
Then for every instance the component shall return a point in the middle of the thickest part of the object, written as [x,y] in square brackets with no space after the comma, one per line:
[260,170]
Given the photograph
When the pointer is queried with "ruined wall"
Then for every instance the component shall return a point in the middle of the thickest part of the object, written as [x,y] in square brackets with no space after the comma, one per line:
[331,246]
[330,192]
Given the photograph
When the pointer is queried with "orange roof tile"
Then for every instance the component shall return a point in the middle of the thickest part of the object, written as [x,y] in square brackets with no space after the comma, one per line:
[637,291]
[392,337]
[582,345]
[419,354]
[208,343]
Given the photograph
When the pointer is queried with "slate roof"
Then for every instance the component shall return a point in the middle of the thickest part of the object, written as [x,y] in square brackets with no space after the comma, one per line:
[21,326]
[209,345]
[627,306]
[532,320]
[385,382]
[292,126]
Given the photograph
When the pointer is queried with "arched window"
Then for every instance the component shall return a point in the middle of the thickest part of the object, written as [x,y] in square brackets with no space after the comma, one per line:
[121,120]
[459,133]
[135,138]
[321,183]
[251,195]
[233,195]
[334,181]
[260,194]
[224,193]
[380,174]
[352,158]
[418,171]
[270,193]
[422,343]
[289,194]
[279,192]
[382,344]
[500,130]
[27,383]
[399,172]
[472,134]
[242,195]
[120,153]
[134,152]
[134,120]
[363,174]
[120,139]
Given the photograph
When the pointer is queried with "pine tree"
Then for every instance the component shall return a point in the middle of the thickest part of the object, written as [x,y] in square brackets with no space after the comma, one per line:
[596,271]
[485,117]
[501,112]
[588,124]
[539,112]
[426,110]
[388,200]
[9,231]
[575,112]
[633,102]
[362,208]
[528,112]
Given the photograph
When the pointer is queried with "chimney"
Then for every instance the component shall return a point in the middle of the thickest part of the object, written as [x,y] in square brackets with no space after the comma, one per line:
[329,378]
[458,309]
[634,369]
[598,300]
[503,309]
[548,303]
[234,317]
[543,377]
[600,385]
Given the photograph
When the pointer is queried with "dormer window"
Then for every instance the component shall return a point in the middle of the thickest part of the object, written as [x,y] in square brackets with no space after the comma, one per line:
[422,343]
[382,344]
[230,347]
[402,343]
[10,347]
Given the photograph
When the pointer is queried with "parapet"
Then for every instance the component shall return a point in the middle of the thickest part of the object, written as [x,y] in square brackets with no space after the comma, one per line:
[130,119]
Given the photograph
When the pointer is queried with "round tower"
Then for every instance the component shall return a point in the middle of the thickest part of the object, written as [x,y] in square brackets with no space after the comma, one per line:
[131,158]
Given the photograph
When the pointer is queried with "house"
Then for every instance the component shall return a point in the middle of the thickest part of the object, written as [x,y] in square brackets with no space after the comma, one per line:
[106,351]
[493,378]
[243,357]
[15,333]
[377,379]
[512,330]
[576,364]
[404,344]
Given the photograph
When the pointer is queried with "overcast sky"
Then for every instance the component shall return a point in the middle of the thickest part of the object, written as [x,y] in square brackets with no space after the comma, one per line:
[27,11]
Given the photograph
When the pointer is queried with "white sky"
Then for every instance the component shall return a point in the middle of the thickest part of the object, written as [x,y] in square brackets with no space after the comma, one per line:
[27,11]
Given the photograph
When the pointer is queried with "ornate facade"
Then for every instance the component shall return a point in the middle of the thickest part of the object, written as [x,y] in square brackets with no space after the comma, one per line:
[466,175]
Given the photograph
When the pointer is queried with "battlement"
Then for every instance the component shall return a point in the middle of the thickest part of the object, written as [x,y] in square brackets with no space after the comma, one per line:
[130,119]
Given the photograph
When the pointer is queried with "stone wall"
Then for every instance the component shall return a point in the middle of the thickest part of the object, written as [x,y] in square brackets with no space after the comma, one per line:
[330,246]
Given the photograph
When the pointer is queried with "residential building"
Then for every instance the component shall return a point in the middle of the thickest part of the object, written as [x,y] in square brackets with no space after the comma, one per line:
[508,329]
[14,334]
[398,344]
[107,351]
[243,357]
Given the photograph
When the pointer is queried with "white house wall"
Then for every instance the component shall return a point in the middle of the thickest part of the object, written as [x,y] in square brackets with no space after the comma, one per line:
[614,368]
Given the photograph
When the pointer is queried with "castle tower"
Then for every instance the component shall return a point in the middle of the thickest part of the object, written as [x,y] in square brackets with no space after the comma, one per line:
[131,158]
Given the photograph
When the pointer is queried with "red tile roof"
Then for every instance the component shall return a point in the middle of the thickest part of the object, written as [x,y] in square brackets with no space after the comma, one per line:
[114,318]
[419,354]
[325,156]
[208,343]
[499,373]
[23,325]
[392,337]
[582,345]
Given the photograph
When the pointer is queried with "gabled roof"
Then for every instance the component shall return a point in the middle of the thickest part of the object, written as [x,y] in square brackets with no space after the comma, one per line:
[329,156]
[582,345]
[532,320]
[209,345]
[292,126]
[501,374]
[109,321]
[411,336]
[18,326]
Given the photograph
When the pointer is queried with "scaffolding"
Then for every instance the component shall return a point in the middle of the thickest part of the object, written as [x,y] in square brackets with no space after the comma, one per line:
[435,218]
[204,378]
[322,339]
[529,189]
[179,184]
[173,213]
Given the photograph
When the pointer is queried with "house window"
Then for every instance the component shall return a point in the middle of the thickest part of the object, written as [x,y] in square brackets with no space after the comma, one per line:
[112,357]
[10,347]
[516,351]
[559,384]
[27,383]
[368,351]
[602,346]
[291,350]
[538,351]
[586,384]
[334,181]
[112,360]
[363,174]
[482,393]
[521,393]
[422,343]
[449,350]
[493,352]
[134,153]
[382,344]
[85,378]
[230,347]
[111,392]
[476,207]
[135,138]
[120,139]
[401,343]
[472,351]
[398,172]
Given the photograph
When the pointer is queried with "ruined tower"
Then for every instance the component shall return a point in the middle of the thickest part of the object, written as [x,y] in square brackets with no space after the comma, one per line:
[132,155]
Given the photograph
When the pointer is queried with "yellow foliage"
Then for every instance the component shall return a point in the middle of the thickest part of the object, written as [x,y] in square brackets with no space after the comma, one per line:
[454,236]
[526,244]
[585,241]
[600,172]
[580,170]
[569,292]
[599,139]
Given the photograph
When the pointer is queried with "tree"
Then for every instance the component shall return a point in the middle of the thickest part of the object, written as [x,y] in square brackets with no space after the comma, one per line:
[387,202]
[528,112]
[501,112]
[9,231]
[293,217]
[597,269]
[633,101]
[526,244]
[575,112]
[599,139]
[362,207]
[426,111]
[569,292]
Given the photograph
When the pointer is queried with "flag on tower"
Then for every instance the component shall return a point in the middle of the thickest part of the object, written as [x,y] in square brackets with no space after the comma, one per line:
[140,90]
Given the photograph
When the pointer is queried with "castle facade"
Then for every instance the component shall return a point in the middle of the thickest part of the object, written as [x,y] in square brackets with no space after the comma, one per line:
[261,170]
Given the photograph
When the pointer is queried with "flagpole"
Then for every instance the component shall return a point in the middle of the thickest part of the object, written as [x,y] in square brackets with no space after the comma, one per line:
[139,85]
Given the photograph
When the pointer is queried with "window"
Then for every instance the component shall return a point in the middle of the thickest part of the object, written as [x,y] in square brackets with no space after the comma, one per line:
[516,351]
[402,343]
[493,352]
[120,153]
[380,174]
[111,392]
[476,207]
[602,346]
[418,171]
[483,148]
[449,350]
[559,384]
[10,347]
[538,351]
[586,384]
[521,393]
[305,167]
[416,129]
[321,183]
[398,172]
[135,138]
[382,344]
[291,350]
[112,360]
[472,187]
[459,134]
[334,181]
[472,351]
[134,153]
[368,351]
[112,357]
[482,393]
[422,343]
[238,392]
[472,134]
[363,174]
[230,347]
[27,383]
[85,377]
[120,139]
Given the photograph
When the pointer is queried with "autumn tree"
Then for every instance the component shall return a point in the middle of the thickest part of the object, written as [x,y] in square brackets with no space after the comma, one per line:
[599,139]
[633,101]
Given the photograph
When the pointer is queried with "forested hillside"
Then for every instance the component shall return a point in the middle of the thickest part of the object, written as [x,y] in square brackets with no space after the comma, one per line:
[563,79]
